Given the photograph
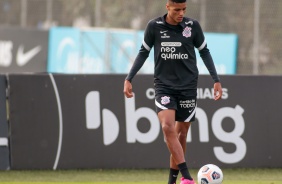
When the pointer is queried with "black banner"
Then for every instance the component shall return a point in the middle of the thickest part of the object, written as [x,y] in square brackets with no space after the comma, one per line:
[4,147]
[23,50]
[84,121]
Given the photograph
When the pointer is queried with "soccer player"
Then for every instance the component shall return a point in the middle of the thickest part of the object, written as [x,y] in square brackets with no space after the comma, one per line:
[174,38]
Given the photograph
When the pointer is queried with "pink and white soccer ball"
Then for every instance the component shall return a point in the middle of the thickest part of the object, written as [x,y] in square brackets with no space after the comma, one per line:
[210,174]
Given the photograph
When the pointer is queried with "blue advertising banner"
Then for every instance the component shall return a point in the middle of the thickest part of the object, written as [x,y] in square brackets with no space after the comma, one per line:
[223,48]
[124,48]
[74,51]
[64,46]
[99,51]
[93,52]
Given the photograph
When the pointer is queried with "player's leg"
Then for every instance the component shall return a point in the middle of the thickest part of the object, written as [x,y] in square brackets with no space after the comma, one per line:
[167,120]
[166,106]
[186,111]
[181,130]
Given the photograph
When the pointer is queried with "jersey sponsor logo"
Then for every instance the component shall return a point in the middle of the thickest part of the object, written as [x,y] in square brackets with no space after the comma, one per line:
[168,51]
[187,32]
[163,31]
[171,44]
[165,100]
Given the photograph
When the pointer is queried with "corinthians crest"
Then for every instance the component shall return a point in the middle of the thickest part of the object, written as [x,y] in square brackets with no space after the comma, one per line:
[165,100]
[187,32]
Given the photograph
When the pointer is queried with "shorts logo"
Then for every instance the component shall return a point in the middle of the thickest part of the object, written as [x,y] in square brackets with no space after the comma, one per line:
[188,104]
[187,32]
[165,100]
[191,110]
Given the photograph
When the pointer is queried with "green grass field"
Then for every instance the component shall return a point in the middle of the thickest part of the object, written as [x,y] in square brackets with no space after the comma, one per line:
[151,176]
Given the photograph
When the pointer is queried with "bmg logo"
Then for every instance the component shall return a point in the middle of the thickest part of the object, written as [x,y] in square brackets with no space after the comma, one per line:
[111,126]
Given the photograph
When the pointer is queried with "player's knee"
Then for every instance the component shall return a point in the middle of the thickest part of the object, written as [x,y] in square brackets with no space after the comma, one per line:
[182,136]
[167,128]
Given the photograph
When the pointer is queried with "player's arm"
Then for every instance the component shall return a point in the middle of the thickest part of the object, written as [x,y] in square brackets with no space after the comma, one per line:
[201,44]
[208,61]
[140,59]
[138,63]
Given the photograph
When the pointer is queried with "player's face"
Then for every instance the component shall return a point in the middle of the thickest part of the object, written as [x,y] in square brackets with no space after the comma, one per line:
[175,13]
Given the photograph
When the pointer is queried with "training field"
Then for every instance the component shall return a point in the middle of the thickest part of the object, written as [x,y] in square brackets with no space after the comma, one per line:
[151,176]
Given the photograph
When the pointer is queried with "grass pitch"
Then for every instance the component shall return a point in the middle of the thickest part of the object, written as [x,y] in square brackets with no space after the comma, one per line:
[126,176]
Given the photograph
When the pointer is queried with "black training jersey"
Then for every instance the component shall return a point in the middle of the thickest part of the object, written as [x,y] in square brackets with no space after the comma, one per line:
[174,53]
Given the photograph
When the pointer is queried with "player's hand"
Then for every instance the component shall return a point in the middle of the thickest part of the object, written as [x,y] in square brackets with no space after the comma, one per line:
[127,89]
[217,91]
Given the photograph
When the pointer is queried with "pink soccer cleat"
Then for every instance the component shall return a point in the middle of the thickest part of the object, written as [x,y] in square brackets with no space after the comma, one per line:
[186,181]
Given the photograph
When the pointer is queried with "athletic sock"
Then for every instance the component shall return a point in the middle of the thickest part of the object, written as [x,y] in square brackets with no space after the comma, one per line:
[184,171]
[173,173]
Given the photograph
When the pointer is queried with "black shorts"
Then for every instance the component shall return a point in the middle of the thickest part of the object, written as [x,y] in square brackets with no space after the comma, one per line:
[184,106]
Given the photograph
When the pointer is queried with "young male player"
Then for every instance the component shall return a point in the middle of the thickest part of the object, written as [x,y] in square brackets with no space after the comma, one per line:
[174,38]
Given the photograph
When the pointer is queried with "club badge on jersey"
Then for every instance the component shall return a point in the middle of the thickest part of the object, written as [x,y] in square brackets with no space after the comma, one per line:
[187,32]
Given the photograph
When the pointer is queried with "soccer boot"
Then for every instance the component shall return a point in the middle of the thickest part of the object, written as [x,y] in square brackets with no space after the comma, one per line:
[186,181]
